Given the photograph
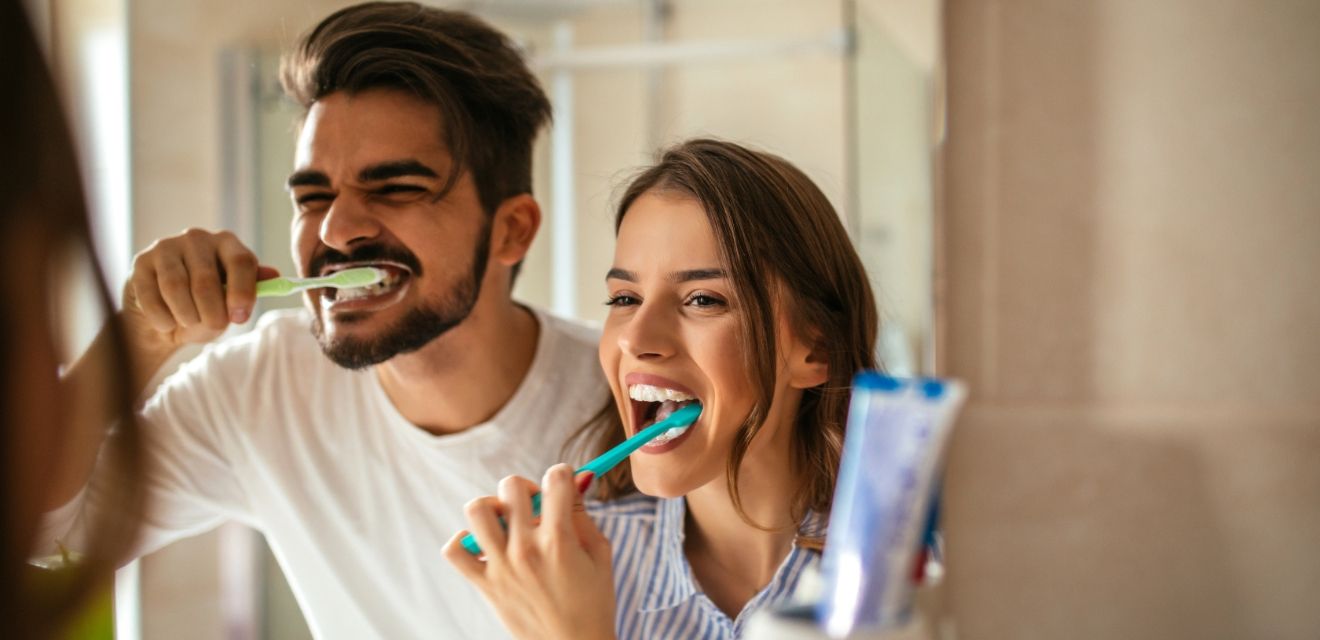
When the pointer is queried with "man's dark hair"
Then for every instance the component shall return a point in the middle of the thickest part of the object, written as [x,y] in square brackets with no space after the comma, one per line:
[490,103]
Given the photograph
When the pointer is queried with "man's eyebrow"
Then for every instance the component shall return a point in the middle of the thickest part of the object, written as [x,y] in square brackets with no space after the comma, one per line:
[621,274]
[308,178]
[396,169]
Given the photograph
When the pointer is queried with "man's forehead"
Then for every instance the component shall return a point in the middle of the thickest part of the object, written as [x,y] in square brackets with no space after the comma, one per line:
[347,133]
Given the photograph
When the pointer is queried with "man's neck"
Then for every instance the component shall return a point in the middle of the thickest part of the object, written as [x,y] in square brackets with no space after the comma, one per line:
[464,377]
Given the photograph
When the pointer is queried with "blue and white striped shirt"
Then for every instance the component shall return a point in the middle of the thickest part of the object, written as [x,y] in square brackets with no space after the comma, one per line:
[656,594]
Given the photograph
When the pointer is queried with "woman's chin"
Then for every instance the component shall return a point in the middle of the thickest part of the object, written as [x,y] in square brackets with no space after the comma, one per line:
[659,486]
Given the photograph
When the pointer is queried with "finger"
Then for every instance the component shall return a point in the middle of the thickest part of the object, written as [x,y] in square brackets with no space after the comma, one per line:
[558,494]
[483,515]
[588,534]
[175,289]
[240,266]
[466,563]
[146,290]
[516,494]
[265,272]
[208,291]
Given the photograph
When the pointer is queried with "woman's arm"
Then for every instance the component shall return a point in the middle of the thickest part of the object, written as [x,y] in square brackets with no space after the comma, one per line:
[546,579]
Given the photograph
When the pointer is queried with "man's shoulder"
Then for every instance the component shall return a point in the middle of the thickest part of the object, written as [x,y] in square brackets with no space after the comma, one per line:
[576,334]
[280,339]
[281,330]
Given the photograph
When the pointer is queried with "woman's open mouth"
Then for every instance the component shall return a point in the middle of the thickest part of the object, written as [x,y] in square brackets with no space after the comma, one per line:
[369,298]
[651,404]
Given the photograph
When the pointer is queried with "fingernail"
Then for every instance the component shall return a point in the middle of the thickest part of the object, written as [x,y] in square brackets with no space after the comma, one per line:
[584,482]
[238,316]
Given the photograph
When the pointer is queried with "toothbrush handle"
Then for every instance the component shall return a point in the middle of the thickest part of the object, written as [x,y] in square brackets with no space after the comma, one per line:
[281,286]
[608,460]
[274,287]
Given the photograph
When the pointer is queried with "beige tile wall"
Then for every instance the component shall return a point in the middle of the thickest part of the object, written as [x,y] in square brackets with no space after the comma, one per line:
[1132,210]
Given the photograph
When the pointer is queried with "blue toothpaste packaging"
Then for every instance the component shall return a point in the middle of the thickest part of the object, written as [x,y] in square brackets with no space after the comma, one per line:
[896,436]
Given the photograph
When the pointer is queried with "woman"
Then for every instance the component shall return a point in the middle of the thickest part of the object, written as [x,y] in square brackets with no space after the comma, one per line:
[734,285]
[43,230]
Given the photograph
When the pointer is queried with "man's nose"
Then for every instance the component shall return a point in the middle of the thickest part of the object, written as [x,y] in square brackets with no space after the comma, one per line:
[650,334]
[348,222]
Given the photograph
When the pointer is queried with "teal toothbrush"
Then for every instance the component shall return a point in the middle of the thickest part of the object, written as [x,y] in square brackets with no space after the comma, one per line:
[683,417]
[346,279]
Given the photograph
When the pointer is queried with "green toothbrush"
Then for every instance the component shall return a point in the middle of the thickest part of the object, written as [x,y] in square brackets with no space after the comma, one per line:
[346,279]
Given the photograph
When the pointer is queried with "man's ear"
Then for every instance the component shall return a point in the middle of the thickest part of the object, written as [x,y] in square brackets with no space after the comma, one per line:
[513,229]
[808,364]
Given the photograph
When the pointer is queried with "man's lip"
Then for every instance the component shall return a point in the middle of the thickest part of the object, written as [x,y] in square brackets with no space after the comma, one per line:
[384,264]
[656,381]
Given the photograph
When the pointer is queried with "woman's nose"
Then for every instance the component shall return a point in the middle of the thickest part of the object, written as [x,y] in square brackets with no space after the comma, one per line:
[346,223]
[649,334]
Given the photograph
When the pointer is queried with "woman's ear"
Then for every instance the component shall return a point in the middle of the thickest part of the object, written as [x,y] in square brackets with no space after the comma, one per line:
[808,364]
[513,229]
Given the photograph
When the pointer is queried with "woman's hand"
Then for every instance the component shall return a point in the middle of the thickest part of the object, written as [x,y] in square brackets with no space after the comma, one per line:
[550,579]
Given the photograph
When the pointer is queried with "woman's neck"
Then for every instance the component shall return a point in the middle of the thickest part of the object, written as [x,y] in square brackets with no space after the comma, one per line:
[731,559]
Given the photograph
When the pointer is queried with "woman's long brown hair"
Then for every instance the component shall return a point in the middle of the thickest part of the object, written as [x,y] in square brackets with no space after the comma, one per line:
[41,198]
[784,248]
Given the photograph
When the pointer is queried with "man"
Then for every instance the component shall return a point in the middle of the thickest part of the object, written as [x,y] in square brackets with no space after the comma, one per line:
[353,446]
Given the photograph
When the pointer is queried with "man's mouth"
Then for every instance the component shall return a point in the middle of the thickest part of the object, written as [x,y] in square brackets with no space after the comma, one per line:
[651,404]
[384,293]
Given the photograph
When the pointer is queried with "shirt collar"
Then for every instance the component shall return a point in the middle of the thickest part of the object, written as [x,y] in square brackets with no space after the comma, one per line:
[671,581]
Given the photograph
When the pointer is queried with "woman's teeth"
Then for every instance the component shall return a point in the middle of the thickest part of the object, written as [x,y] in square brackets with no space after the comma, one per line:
[669,434]
[648,393]
[670,400]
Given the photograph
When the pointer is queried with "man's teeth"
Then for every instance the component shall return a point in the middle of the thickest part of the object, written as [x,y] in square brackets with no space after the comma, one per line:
[390,280]
[648,393]
[354,293]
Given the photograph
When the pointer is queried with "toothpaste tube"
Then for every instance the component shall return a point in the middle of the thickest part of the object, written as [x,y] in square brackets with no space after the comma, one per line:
[895,441]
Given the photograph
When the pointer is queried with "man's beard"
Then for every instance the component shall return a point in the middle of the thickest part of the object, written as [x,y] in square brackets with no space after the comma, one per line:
[418,327]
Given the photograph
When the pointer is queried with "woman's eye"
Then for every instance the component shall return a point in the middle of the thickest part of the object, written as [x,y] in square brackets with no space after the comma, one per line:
[704,300]
[621,300]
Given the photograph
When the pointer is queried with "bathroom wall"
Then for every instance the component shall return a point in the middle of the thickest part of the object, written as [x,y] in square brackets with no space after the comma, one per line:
[1132,258]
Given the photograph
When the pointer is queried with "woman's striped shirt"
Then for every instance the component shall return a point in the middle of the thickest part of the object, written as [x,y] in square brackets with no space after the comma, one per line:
[655,592]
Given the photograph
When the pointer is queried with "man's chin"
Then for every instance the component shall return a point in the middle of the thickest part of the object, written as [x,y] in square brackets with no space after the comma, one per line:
[357,340]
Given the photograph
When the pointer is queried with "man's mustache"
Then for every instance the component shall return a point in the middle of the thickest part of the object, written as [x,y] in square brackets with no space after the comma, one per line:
[365,253]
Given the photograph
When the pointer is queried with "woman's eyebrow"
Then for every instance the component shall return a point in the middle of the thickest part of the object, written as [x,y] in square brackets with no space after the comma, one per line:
[688,275]
[620,274]
[698,274]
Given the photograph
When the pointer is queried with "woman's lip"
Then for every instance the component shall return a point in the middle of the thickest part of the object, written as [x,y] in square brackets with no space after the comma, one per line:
[656,381]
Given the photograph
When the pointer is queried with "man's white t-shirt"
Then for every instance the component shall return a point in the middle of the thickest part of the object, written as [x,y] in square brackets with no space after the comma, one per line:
[355,501]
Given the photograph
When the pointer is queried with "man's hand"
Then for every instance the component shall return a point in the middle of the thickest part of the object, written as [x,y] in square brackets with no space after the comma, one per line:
[186,289]
[189,288]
